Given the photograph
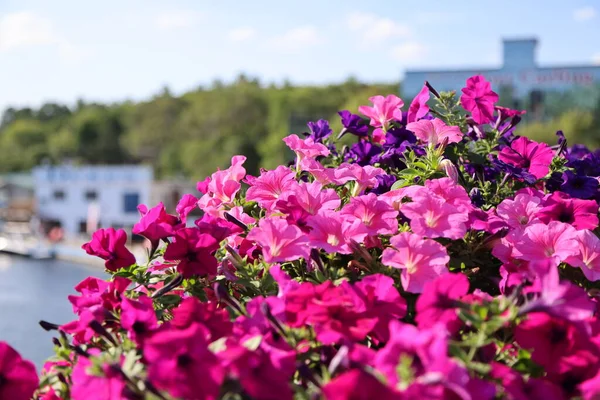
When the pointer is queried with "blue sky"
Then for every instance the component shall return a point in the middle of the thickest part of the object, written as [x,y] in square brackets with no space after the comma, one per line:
[115,50]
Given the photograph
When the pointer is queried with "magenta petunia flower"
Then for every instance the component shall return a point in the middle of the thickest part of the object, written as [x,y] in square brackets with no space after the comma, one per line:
[435,131]
[98,292]
[18,378]
[109,245]
[138,318]
[479,99]
[186,205]
[558,345]
[263,373]
[279,240]
[191,311]
[267,189]
[382,300]
[438,302]
[423,347]
[525,153]
[384,110]
[421,260]
[376,216]
[560,299]
[588,258]
[357,384]
[554,242]
[581,214]
[194,251]
[418,107]
[519,212]
[89,386]
[156,224]
[180,363]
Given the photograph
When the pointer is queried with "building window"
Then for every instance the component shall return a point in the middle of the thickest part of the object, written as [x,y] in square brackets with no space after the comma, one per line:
[59,195]
[130,202]
[83,226]
[91,195]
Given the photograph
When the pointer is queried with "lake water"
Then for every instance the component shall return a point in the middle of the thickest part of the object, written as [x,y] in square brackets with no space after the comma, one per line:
[31,290]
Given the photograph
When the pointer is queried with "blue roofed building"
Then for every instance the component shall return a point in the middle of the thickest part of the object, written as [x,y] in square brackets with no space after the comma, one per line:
[520,78]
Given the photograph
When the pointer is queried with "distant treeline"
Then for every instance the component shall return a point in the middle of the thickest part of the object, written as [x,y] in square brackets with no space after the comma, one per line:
[190,135]
[193,134]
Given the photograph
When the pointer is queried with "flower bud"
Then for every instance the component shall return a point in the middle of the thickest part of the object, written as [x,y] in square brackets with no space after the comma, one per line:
[450,169]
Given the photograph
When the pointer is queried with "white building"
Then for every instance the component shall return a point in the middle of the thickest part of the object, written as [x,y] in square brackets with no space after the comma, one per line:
[83,198]
[519,75]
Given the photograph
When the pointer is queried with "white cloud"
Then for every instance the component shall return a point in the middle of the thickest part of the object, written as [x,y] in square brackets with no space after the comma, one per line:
[177,19]
[376,29]
[596,58]
[584,13]
[26,29]
[22,29]
[241,34]
[296,39]
[408,53]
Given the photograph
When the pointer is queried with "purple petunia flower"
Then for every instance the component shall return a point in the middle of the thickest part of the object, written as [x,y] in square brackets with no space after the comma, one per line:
[353,123]
[319,130]
[517,172]
[580,186]
[363,152]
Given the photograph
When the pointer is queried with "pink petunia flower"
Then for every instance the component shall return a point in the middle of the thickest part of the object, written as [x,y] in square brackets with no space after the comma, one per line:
[312,197]
[421,260]
[279,240]
[376,216]
[220,188]
[316,169]
[156,224]
[194,251]
[383,111]
[364,177]
[433,217]
[306,148]
[267,189]
[555,242]
[109,245]
[19,379]
[332,231]
[435,131]
[532,156]
[519,212]
[449,191]
[581,214]
[588,258]
[418,107]
[479,99]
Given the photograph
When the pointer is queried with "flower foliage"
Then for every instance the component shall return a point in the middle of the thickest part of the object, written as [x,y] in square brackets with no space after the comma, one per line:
[440,256]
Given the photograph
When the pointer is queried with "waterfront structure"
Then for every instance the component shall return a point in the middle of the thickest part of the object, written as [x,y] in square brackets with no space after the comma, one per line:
[519,77]
[80,199]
